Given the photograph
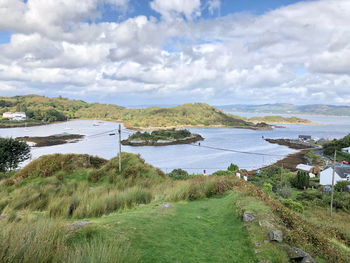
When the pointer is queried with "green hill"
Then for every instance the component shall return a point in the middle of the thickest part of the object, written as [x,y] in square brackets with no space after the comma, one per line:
[79,208]
[40,109]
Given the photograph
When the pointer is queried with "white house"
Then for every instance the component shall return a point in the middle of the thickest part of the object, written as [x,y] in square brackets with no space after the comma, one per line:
[306,168]
[342,173]
[346,150]
[17,116]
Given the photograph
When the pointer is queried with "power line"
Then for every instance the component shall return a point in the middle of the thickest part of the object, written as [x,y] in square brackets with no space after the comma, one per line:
[236,151]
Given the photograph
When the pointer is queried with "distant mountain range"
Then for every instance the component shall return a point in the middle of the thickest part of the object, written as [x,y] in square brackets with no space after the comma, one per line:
[283,108]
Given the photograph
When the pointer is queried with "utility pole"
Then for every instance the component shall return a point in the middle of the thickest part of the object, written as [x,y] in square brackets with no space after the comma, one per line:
[281,173]
[120,148]
[334,162]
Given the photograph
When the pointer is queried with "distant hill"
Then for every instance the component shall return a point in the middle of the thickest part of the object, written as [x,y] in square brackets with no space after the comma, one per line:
[283,108]
[39,108]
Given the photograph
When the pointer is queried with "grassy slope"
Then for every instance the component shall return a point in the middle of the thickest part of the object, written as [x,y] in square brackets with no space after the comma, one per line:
[280,120]
[51,109]
[126,223]
[175,234]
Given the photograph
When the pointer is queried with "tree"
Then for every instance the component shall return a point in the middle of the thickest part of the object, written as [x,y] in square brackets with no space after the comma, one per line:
[12,152]
[301,180]
[233,167]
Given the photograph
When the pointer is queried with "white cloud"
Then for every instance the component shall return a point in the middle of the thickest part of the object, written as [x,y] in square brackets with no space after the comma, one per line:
[173,8]
[214,5]
[298,53]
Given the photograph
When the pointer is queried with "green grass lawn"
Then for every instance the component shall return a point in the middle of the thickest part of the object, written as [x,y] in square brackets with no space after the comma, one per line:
[208,230]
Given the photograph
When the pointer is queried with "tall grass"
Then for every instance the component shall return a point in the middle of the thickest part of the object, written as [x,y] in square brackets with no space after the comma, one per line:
[47,240]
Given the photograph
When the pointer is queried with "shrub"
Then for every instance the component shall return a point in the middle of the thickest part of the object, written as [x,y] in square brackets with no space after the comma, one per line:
[339,187]
[95,175]
[293,205]
[224,172]
[178,174]
[267,188]
[284,192]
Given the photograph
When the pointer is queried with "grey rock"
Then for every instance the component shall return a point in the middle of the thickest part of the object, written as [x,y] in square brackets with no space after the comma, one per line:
[165,205]
[79,225]
[276,235]
[248,217]
[298,254]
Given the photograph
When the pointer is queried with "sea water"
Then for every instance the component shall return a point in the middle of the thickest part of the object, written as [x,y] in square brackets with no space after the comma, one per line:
[193,158]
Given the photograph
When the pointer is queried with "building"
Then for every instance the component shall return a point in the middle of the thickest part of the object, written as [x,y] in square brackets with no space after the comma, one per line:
[304,137]
[342,173]
[307,168]
[16,116]
[346,150]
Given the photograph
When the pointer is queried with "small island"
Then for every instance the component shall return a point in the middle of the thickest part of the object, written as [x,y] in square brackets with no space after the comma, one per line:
[52,139]
[162,138]
[280,120]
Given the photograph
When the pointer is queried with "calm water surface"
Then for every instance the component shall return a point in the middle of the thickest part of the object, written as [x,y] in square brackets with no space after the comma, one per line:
[191,158]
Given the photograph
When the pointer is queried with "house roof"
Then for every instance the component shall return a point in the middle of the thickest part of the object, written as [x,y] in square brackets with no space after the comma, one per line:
[342,170]
[304,167]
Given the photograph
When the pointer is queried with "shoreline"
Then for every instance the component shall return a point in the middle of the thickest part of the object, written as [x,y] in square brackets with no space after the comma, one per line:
[269,127]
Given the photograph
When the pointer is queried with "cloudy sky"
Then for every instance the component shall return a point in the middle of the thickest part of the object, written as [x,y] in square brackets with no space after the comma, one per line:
[132,52]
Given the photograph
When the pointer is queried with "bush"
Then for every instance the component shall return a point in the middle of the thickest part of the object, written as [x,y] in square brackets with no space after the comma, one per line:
[179,174]
[293,205]
[285,192]
[339,187]
[224,173]
[267,188]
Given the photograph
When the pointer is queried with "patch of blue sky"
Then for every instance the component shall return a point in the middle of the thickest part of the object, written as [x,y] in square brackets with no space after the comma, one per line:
[252,6]
[175,44]
[5,37]
[301,72]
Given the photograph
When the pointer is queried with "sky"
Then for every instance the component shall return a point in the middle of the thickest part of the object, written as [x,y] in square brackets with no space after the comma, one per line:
[166,52]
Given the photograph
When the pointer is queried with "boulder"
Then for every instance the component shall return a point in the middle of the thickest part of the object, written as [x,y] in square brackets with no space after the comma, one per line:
[79,224]
[298,254]
[248,217]
[276,235]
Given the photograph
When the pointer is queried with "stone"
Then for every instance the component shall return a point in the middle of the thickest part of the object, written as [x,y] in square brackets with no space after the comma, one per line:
[276,235]
[248,217]
[198,217]
[166,205]
[79,224]
[298,254]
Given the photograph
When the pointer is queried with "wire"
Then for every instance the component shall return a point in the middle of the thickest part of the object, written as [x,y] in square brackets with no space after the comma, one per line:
[98,134]
[236,151]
